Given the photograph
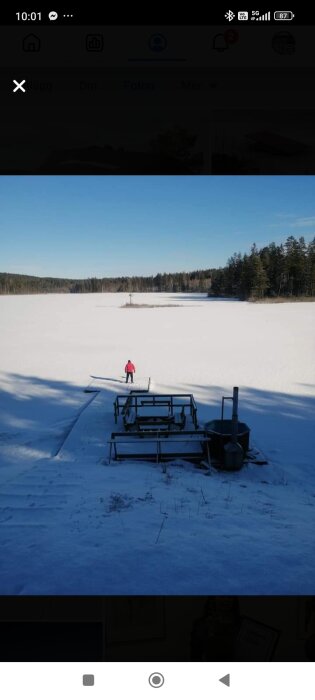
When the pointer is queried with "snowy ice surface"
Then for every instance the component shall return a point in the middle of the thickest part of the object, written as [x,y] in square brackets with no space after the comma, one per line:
[73,524]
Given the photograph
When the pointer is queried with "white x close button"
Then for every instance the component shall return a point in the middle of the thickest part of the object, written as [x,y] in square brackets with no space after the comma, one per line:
[19,86]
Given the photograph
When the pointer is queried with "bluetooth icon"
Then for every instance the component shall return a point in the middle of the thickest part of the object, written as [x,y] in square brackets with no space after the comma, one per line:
[229,15]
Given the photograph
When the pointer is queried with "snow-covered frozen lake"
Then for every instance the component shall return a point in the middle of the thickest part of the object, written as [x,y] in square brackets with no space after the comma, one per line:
[73,524]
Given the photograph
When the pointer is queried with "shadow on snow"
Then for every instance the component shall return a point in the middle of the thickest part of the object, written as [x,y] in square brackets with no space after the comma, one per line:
[42,411]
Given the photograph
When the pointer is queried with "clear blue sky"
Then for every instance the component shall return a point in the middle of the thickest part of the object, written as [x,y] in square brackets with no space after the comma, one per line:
[110,226]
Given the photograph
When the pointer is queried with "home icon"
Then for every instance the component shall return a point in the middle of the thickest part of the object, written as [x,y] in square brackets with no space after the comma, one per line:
[31,43]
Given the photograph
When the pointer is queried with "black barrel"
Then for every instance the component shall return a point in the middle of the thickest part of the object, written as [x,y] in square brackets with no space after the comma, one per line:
[220,432]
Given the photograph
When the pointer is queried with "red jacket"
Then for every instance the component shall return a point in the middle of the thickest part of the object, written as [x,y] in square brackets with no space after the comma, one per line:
[130,367]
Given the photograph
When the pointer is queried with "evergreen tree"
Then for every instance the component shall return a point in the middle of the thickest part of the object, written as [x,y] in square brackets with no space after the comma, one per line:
[295,265]
[259,282]
[310,268]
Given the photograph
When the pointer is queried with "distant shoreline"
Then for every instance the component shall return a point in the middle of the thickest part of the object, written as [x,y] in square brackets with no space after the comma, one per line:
[127,305]
[280,300]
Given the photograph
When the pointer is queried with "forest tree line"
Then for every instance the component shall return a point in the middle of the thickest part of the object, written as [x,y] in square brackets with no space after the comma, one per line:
[273,271]
[197,281]
[287,269]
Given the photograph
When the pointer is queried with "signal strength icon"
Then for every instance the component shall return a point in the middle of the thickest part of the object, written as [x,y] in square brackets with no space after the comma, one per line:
[263,18]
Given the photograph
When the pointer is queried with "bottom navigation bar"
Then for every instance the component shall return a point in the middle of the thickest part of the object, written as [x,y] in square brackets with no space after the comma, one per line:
[184,680]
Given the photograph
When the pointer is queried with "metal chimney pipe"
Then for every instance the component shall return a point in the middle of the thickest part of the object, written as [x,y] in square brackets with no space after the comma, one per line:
[234,427]
[233,452]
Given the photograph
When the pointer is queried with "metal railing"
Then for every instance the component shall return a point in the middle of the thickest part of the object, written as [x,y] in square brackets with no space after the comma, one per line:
[123,404]
[157,439]
[137,400]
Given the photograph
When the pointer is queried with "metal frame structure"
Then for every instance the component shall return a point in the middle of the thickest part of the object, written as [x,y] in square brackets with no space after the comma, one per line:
[155,429]
[124,405]
[159,439]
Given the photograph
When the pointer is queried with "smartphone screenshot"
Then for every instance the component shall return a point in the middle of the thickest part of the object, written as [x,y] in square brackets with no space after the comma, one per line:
[157,288]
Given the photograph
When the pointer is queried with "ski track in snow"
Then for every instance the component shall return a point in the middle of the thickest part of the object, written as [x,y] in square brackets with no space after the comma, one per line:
[73,524]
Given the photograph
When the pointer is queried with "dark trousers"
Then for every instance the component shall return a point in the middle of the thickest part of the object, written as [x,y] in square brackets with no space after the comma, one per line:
[129,374]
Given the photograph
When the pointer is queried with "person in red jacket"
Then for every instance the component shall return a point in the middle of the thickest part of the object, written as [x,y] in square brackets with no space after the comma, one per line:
[129,369]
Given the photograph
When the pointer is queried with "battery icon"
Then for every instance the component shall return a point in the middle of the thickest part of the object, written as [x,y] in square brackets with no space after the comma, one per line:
[284,16]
